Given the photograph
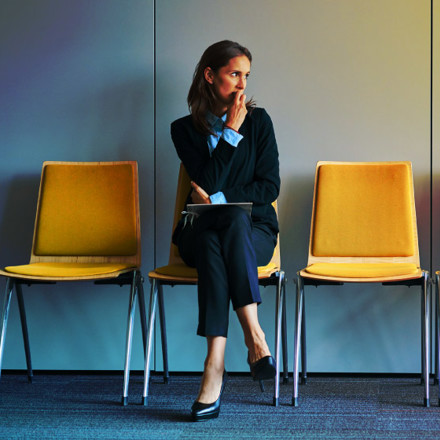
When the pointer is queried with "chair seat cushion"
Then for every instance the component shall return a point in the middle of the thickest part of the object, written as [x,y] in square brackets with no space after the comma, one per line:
[268,270]
[362,270]
[67,270]
[184,271]
[177,270]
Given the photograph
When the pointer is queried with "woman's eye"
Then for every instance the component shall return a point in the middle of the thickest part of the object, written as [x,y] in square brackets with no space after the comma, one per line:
[237,74]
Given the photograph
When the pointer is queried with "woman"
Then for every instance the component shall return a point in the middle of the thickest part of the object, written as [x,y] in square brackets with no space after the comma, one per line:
[229,150]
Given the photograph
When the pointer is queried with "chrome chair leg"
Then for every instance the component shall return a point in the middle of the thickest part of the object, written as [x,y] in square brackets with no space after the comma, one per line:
[163,334]
[142,312]
[422,336]
[299,304]
[284,337]
[24,330]
[303,343]
[435,287]
[151,317]
[6,307]
[437,329]
[426,338]
[131,313]
[278,316]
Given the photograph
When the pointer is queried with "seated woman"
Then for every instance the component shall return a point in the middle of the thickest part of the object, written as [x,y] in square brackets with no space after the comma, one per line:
[228,148]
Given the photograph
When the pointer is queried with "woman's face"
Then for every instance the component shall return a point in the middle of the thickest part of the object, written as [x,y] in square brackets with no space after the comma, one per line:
[229,79]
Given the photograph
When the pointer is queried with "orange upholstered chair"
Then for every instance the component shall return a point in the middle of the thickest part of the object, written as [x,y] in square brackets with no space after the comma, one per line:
[178,273]
[363,230]
[87,228]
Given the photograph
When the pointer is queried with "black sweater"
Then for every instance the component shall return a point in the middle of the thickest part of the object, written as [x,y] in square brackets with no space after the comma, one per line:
[246,173]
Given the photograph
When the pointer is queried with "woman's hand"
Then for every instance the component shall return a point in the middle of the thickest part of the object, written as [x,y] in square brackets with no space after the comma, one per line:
[199,195]
[237,111]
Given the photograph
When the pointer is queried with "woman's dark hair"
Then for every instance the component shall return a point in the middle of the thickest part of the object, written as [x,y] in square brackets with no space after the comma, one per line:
[201,97]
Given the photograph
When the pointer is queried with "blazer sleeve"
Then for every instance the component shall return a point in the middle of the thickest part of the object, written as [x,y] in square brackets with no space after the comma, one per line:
[265,185]
[210,172]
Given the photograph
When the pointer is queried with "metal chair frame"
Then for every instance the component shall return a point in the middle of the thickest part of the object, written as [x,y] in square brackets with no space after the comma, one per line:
[300,328]
[134,279]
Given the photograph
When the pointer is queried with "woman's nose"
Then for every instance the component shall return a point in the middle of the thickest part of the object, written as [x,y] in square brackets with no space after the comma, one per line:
[241,83]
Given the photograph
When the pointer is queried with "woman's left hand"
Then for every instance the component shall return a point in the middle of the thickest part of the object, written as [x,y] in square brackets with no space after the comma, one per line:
[199,195]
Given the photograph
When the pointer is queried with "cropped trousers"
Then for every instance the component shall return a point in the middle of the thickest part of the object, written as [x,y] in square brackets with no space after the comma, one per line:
[226,249]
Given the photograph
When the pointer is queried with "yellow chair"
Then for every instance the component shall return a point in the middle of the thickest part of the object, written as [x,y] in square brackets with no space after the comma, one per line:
[178,273]
[87,228]
[363,230]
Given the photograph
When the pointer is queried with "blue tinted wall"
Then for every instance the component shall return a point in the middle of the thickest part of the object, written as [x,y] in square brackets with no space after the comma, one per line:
[342,80]
[76,85]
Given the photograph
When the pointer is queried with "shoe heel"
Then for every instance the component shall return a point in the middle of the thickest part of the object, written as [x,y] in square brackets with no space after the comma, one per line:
[261,386]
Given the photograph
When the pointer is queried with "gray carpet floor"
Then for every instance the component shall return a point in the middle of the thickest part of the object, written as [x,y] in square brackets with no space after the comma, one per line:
[88,407]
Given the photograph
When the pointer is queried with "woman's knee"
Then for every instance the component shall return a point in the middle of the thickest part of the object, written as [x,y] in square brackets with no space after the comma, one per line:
[207,243]
[237,219]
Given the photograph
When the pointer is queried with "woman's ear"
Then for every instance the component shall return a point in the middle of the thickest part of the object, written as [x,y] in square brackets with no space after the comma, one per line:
[209,75]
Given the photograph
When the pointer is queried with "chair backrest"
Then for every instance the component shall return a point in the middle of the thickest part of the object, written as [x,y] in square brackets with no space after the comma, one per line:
[363,212]
[88,212]
[183,189]
[276,257]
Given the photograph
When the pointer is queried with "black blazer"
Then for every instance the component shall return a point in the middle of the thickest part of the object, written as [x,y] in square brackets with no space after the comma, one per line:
[246,173]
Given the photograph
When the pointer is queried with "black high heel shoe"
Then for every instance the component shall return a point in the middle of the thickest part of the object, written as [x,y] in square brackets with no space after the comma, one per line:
[263,369]
[205,411]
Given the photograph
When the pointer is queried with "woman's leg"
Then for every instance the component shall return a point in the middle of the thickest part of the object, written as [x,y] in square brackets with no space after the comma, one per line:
[214,368]
[259,253]
[226,250]
[201,247]
[254,337]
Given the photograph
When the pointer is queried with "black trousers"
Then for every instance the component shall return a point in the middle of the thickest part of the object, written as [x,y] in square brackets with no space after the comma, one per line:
[226,249]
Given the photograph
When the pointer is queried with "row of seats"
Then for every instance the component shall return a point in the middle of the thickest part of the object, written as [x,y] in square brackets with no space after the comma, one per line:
[87,227]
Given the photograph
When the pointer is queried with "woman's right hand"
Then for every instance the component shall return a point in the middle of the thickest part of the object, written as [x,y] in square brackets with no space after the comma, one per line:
[199,195]
[236,112]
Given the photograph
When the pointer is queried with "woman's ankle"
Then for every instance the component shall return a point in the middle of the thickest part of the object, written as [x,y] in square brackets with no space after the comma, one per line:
[214,366]
[210,385]
[257,347]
